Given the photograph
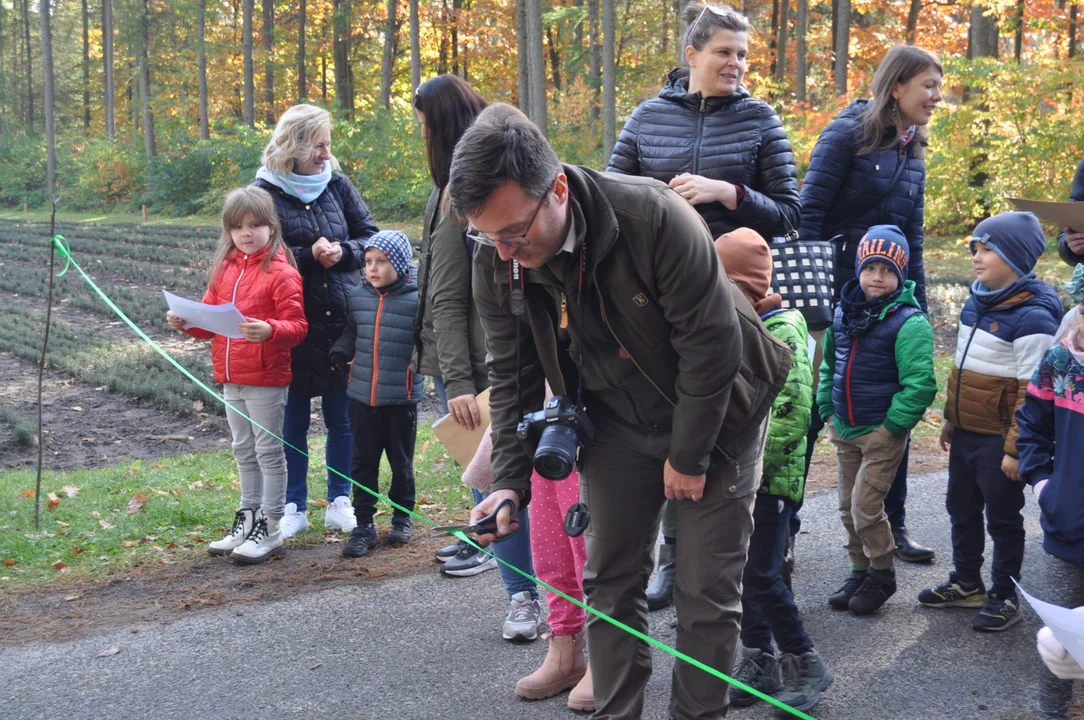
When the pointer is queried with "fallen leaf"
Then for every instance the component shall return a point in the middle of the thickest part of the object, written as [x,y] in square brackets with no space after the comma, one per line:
[198,540]
[171,546]
[319,501]
[425,446]
[8,562]
[137,502]
[70,490]
[129,543]
[198,405]
[176,491]
[28,494]
[61,523]
[195,485]
[59,565]
[110,652]
[72,597]
[162,492]
[76,550]
[165,560]
[54,502]
[95,513]
[105,525]
[156,548]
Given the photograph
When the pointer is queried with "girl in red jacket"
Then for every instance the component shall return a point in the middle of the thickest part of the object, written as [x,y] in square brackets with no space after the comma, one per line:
[252,270]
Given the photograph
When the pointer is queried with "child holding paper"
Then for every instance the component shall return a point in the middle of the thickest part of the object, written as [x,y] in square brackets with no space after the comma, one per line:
[252,269]
[1051,423]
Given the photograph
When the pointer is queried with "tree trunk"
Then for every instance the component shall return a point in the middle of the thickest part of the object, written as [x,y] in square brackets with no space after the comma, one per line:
[323,78]
[201,52]
[523,79]
[773,36]
[835,33]
[391,32]
[781,41]
[1072,31]
[675,24]
[536,64]
[983,33]
[48,108]
[268,61]
[555,58]
[415,48]
[442,57]
[802,52]
[609,79]
[344,79]
[912,21]
[3,73]
[29,69]
[577,32]
[456,5]
[145,84]
[302,91]
[86,66]
[246,44]
[843,44]
[1018,41]
[594,71]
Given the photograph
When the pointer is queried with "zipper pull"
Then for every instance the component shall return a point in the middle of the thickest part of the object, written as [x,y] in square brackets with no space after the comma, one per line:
[703,103]
[564,312]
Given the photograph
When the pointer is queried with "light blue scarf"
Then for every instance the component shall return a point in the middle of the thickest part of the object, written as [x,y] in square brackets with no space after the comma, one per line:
[305,188]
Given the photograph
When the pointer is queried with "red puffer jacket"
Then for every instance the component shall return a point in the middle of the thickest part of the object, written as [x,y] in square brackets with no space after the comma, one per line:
[274,297]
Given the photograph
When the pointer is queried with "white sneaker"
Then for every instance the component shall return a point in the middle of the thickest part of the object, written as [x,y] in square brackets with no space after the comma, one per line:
[243,522]
[340,515]
[293,521]
[522,620]
[263,543]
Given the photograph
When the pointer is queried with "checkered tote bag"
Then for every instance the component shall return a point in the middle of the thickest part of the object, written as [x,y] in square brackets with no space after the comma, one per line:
[803,276]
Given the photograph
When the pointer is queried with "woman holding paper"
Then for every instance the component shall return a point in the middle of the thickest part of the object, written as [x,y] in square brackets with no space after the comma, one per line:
[325,225]
[1071,240]
[449,343]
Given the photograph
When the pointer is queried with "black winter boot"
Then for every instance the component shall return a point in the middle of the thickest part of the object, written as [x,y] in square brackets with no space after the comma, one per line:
[907,549]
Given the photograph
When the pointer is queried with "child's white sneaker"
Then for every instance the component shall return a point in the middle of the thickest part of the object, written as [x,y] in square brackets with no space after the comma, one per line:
[293,521]
[340,515]
[263,543]
[243,522]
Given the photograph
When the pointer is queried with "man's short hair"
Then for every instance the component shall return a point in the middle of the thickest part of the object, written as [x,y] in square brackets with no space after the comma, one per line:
[501,146]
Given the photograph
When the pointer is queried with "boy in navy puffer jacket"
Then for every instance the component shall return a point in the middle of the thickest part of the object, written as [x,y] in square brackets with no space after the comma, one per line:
[876,381]
[384,392]
[1005,327]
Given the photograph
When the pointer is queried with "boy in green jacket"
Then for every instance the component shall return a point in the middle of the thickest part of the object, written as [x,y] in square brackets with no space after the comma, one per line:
[876,382]
[768,607]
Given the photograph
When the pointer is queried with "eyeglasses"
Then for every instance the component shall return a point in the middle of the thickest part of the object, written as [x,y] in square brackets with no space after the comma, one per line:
[519,240]
[707,6]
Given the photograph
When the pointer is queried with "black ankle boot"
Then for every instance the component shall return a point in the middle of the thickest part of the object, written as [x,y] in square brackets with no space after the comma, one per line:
[660,593]
[907,549]
[875,591]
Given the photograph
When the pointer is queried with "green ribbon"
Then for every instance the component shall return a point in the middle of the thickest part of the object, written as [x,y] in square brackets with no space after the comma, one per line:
[65,252]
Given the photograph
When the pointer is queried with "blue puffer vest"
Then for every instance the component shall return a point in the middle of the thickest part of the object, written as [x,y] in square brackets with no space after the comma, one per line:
[865,377]
[382,344]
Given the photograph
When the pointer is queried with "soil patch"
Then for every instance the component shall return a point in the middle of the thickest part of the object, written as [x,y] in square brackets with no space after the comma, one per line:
[159,594]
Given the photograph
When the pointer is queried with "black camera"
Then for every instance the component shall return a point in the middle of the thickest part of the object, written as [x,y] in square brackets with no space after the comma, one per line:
[559,429]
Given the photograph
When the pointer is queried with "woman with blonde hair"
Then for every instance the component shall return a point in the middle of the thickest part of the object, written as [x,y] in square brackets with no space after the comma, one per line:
[325,225]
[868,168]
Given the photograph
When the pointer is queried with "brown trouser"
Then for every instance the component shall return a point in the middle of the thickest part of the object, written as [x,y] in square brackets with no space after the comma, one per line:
[867,466]
[622,484]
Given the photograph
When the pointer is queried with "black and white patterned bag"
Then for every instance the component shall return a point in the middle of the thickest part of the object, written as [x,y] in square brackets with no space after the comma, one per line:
[803,275]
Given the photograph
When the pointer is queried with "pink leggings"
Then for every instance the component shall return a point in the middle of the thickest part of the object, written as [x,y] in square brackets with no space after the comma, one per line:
[558,558]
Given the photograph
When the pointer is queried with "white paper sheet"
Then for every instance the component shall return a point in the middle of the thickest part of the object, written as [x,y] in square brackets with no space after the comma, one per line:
[1067,626]
[219,319]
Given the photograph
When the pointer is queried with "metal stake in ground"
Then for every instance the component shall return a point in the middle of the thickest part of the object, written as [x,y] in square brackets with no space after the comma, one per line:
[41,366]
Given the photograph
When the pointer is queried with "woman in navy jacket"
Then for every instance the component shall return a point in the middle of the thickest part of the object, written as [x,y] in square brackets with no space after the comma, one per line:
[722,150]
[849,187]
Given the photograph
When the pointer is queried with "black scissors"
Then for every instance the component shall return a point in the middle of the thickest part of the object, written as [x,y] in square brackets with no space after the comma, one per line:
[485,526]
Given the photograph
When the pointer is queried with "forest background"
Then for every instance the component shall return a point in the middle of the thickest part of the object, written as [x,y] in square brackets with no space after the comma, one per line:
[168,103]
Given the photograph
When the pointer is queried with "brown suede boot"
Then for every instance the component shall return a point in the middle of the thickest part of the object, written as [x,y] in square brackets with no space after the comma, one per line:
[563,667]
[582,697]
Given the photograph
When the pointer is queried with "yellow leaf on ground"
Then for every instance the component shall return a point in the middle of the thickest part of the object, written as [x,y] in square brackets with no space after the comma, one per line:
[28,494]
[105,525]
[137,502]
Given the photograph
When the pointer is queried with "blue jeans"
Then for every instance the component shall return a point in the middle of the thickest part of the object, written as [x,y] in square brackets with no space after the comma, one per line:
[295,430]
[516,551]
[768,608]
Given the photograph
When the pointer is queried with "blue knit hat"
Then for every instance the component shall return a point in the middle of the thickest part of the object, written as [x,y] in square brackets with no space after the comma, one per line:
[1016,237]
[396,246]
[887,244]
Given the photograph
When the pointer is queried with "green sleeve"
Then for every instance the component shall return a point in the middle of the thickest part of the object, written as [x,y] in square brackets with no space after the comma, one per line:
[824,386]
[450,298]
[914,359]
[792,408]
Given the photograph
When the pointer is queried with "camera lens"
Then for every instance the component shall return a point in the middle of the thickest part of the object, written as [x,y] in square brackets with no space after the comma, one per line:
[556,453]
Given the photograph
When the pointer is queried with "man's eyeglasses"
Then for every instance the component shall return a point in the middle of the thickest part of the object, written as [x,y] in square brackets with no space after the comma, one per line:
[519,240]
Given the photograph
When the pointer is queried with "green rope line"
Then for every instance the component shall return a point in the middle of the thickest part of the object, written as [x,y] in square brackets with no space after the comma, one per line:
[65,252]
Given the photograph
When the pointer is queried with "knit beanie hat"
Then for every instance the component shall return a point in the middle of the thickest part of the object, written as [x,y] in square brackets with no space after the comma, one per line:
[1075,287]
[887,244]
[396,246]
[748,262]
[1016,237]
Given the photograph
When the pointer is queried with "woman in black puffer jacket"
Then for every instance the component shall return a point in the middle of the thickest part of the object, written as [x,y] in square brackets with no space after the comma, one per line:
[848,189]
[325,224]
[722,150]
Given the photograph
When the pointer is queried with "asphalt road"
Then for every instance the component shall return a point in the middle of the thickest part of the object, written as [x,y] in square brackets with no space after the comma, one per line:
[427,646]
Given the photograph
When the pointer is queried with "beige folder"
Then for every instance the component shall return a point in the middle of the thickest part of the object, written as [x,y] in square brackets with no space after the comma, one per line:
[463,444]
[1062,214]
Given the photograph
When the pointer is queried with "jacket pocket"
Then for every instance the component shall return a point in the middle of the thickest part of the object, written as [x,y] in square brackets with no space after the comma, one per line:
[642,314]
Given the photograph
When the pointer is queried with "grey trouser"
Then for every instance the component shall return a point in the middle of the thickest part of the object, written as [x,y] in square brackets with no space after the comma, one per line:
[261,459]
[622,484]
